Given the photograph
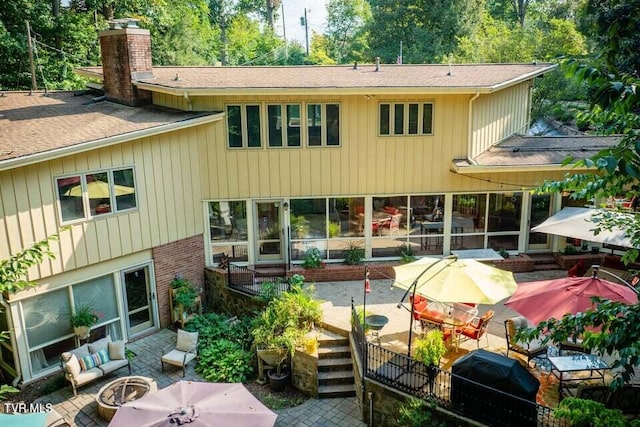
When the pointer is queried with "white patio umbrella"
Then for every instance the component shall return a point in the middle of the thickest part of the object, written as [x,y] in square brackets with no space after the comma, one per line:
[577,223]
[451,279]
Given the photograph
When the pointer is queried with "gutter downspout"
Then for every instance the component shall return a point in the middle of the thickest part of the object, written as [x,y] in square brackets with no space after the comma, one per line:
[186,97]
[469,128]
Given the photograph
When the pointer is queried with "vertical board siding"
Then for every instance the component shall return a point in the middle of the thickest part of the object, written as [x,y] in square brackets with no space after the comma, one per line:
[168,193]
[499,115]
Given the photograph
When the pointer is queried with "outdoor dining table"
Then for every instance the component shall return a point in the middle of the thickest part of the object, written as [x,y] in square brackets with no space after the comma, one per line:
[450,316]
[563,366]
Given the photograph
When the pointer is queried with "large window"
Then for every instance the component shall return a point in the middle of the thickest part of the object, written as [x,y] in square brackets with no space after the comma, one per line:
[228,230]
[323,125]
[406,118]
[46,316]
[330,225]
[284,125]
[243,126]
[95,194]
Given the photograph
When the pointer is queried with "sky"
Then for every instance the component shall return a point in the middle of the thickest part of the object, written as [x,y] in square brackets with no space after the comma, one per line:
[293,11]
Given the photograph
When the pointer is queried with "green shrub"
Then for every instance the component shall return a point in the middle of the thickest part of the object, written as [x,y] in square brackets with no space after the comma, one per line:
[224,361]
[589,413]
[353,253]
[334,229]
[312,259]
[406,253]
[212,327]
[417,413]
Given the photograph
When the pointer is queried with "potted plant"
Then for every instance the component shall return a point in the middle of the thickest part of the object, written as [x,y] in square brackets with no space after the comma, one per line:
[282,326]
[353,253]
[429,349]
[83,318]
[184,299]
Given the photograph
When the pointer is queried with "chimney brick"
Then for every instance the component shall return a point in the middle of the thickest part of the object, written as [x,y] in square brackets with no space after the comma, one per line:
[126,57]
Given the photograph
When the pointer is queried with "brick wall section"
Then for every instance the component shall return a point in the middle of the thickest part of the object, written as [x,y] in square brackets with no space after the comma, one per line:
[185,257]
[126,56]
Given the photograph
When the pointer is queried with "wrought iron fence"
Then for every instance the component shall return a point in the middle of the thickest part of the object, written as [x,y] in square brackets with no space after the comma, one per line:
[252,282]
[461,395]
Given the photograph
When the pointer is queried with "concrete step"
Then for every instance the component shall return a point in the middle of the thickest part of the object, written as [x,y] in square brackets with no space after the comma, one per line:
[334,352]
[339,390]
[339,364]
[335,377]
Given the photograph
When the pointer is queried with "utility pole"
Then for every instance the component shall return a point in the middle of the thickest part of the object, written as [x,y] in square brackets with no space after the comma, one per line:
[284,34]
[306,29]
[34,86]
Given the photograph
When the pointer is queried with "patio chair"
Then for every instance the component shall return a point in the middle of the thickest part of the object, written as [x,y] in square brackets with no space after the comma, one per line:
[185,351]
[477,330]
[531,349]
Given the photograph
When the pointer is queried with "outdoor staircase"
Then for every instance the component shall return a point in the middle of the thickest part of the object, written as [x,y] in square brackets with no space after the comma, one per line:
[544,262]
[335,366]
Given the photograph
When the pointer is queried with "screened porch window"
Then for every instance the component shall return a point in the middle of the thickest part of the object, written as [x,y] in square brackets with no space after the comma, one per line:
[405,119]
[228,230]
[243,126]
[284,125]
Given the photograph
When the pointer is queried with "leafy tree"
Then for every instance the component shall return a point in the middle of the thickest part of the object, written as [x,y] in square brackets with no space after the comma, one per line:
[14,277]
[319,52]
[346,29]
[250,45]
[428,30]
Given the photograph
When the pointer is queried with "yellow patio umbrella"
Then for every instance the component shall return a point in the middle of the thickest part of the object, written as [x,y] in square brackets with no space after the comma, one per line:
[451,279]
[99,190]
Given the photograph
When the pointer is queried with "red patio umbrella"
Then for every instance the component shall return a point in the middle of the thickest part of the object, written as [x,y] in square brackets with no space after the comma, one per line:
[546,299]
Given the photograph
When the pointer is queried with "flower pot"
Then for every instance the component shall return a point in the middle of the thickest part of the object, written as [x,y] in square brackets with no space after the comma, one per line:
[82,332]
[277,381]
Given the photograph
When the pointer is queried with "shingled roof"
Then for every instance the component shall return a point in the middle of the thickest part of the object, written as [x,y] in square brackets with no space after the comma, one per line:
[535,151]
[38,123]
[468,78]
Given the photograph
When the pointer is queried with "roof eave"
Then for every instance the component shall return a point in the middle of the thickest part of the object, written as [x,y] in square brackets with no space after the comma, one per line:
[484,169]
[524,77]
[105,142]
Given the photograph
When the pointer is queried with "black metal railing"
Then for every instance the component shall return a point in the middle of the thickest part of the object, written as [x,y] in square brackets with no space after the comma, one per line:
[252,282]
[459,394]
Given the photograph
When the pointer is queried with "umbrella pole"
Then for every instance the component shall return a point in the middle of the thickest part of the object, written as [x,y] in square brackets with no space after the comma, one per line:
[414,286]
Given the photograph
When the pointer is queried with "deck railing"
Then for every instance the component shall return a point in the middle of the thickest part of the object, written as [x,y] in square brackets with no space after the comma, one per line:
[252,282]
[458,394]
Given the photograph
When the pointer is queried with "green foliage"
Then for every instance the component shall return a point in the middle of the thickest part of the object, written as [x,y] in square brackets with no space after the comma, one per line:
[430,348]
[619,334]
[300,226]
[313,259]
[353,253]
[418,413]
[346,31]
[84,315]
[588,413]
[361,315]
[334,229]
[268,291]
[287,320]
[224,361]
[5,390]
[13,271]
[185,294]
[406,253]
[212,327]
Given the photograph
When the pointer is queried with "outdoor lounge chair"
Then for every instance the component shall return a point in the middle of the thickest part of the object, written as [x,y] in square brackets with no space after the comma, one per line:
[530,349]
[185,351]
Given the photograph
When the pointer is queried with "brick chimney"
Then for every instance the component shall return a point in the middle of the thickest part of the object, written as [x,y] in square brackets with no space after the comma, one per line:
[126,57]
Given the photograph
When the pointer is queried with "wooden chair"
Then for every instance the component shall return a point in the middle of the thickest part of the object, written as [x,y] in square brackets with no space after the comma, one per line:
[477,330]
[531,349]
[394,224]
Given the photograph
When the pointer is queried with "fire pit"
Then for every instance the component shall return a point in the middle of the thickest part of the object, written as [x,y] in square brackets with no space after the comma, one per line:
[120,391]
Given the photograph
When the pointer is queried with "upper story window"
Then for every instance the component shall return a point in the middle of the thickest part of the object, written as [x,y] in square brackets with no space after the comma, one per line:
[243,126]
[95,194]
[284,125]
[323,125]
[406,118]
[287,125]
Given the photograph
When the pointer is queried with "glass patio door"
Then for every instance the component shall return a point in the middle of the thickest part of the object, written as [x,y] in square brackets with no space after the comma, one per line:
[139,298]
[540,211]
[268,231]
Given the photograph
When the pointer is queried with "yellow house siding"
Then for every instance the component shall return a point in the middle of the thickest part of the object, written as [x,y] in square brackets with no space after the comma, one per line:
[167,173]
[498,116]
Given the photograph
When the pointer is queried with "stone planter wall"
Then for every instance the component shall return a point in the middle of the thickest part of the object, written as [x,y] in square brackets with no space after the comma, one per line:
[343,272]
[521,263]
[305,372]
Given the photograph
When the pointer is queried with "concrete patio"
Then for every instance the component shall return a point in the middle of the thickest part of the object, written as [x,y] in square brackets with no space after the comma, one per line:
[81,411]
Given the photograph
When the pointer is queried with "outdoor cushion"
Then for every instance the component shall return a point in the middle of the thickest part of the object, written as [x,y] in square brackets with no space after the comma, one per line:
[116,350]
[96,346]
[103,356]
[186,340]
[87,376]
[88,362]
[112,365]
[177,358]
[81,351]
[72,366]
